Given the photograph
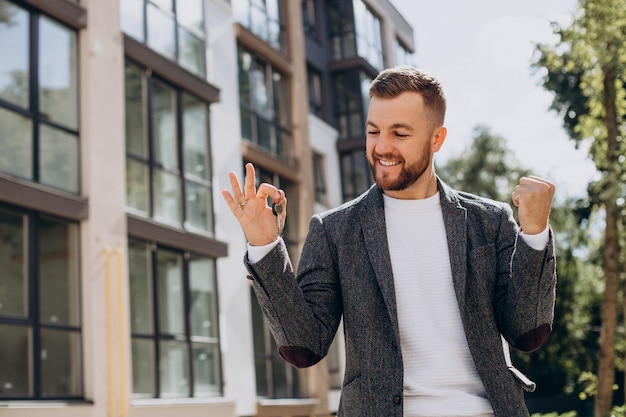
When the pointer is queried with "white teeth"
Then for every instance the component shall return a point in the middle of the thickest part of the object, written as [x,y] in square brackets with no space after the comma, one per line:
[388,163]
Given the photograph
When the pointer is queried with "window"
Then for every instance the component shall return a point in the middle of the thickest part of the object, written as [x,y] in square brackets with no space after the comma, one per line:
[175,29]
[314,81]
[319,172]
[309,17]
[368,35]
[38,98]
[40,321]
[265,106]
[264,18]
[403,55]
[167,146]
[342,31]
[174,323]
[352,99]
[356,175]
[355,31]
[275,378]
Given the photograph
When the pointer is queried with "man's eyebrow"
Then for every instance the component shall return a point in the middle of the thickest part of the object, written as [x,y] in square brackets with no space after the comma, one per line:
[393,126]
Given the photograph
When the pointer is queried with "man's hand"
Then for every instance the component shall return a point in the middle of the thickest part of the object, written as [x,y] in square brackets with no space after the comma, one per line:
[533,198]
[251,210]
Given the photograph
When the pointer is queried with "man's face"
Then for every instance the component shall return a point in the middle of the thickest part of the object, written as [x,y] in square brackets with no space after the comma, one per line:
[400,144]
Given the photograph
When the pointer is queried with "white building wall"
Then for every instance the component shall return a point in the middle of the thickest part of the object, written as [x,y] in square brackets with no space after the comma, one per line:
[323,139]
[234,293]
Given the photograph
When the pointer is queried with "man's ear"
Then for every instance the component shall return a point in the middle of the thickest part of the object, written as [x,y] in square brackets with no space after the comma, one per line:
[439,137]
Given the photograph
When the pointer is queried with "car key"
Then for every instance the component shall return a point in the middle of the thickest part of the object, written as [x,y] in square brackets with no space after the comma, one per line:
[277,209]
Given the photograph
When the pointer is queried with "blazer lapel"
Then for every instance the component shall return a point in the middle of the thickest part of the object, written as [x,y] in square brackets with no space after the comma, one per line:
[455,219]
[375,235]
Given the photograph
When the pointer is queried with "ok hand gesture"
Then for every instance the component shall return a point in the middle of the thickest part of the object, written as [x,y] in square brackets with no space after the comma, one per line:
[249,206]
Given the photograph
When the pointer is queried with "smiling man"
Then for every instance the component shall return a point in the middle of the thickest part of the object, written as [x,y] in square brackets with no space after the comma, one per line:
[432,284]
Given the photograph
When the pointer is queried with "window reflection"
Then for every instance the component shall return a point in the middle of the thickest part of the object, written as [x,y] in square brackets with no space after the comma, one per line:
[132,18]
[369,38]
[39,140]
[180,357]
[265,105]
[14,264]
[58,81]
[40,354]
[173,29]
[60,363]
[58,273]
[16,142]
[264,18]
[161,32]
[14,39]
[170,289]
[58,159]
[15,351]
[161,184]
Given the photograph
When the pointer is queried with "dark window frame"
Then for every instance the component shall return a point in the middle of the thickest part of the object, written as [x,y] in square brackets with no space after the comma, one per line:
[177,25]
[147,226]
[281,139]
[75,15]
[33,320]
[157,336]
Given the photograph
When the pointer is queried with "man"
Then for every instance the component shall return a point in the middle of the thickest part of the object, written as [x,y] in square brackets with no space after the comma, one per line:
[429,281]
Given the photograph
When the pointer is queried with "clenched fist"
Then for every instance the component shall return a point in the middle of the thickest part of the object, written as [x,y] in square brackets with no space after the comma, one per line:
[533,198]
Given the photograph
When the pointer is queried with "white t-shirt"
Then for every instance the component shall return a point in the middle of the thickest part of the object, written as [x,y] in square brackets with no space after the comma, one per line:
[440,378]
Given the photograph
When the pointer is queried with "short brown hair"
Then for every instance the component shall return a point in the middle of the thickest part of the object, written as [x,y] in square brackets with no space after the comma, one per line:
[392,82]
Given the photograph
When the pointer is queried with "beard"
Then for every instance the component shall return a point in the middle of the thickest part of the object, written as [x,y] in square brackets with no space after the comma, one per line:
[409,174]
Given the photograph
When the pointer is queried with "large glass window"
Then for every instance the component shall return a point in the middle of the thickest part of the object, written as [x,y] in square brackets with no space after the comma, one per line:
[319,174]
[173,29]
[368,35]
[265,105]
[402,54]
[356,175]
[351,101]
[309,18]
[264,18]
[38,98]
[40,322]
[275,378]
[174,323]
[314,82]
[168,176]
[355,31]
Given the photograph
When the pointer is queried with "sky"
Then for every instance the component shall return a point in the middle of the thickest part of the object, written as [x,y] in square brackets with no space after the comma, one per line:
[481,51]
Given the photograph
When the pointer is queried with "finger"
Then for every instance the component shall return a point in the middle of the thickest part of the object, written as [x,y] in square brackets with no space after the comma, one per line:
[268,190]
[236,187]
[230,200]
[538,181]
[249,185]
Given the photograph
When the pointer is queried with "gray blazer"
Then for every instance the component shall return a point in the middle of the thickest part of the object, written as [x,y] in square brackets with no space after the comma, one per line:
[503,287]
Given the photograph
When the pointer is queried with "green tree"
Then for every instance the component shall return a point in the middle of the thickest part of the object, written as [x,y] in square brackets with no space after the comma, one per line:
[489,169]
[586,72]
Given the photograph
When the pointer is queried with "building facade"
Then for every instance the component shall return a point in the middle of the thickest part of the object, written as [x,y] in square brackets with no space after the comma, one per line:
[123,291]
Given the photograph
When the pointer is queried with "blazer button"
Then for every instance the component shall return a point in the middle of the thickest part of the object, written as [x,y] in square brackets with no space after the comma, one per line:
[397,399]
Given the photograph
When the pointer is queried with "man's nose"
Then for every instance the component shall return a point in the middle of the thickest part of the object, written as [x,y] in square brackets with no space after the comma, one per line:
[384,143]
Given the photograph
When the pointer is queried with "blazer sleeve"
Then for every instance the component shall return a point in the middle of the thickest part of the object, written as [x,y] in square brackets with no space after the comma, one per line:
[526,288]
[304,311]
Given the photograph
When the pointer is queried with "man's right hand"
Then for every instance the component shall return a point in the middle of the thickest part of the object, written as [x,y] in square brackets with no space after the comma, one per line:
[251,210]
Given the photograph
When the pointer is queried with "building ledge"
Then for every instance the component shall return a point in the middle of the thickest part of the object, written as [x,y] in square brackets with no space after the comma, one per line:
[286,407]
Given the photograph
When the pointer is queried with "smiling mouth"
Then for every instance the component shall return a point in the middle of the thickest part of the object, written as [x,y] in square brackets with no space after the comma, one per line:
[387,163]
